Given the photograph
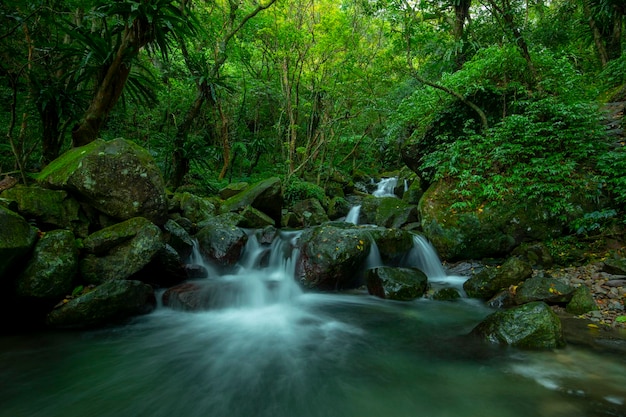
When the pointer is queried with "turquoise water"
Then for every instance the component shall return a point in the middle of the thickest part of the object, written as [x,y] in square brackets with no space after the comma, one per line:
[313,355]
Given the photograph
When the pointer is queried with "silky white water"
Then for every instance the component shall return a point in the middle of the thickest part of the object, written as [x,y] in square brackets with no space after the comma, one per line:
[287,353]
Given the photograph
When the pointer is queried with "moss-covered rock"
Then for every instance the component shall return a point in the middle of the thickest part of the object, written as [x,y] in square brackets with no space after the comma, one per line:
[482,232]
[388,212]
[265,196]
[331,257]
[52,268]
[178,238]
[17,237]
[393,244]
[532,326]
[221,241]
[582,301]
[118,178]
[446,294]
[489,281]
[402,284]
[232,189]
[338,207]
[119,251]
[310,212]
[615,266]
[543,288]
[195,208]
[52,209]
[255,219]
[107,303]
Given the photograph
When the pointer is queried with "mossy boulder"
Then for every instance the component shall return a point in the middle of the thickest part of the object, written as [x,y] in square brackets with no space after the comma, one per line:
[331,256]
[107,303]
[178,238]
[482,232]
[582,301]
[221,241]
[255,219]
[193,207]
[489,281]
[401,284]
[338,207]
[393,244]
[615,266]
[532,326]
[232,189]
[543,288]
[17,237]
[117,178]
[52,268]
[414,193]
[310,212]
[119,251]
[52,209]
[446,294]
[388,212]
[265,196]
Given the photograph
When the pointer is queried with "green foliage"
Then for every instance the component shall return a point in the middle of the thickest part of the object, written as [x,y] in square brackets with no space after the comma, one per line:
[594,222]
[612,165]
[296,190]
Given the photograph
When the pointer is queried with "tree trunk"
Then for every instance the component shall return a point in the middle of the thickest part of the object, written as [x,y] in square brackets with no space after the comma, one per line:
[597,35]
[461,14]
[180,160]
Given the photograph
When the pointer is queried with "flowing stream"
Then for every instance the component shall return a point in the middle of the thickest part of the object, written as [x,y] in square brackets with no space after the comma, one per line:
[279,352]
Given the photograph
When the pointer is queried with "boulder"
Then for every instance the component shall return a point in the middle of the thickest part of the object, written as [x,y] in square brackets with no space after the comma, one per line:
[582,301]
[165,270]
[536,254]
[393,244]
[221,242]
[331,256]
[120,251]
[52,209]
[17,237]
[388,212]
[232,190]
[201,295]
[543,288]
[107,303]
[489,281]
[178,238]
[532,326]
[446,294]
[310,212]
[52,268]
[255,219]
[414,192]
[482,232]
[117,178]
[402,284]
[195,208]
[338,207]
[265,196]
[615,266]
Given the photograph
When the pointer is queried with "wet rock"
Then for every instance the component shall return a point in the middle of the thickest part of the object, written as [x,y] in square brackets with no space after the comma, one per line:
[195,271]
[615,266]
[107,303]
[491,280]
[17,237]
[202,295]
[119,251]
[542,288]
[265,196]
[532,326]
[393,244]
[331,256]
[255,219]
[178,238]
[582,301]
[52,268]
[402,284]
[536,254]
[338,208]
[446,294]
[165,270]
[221,242]
[310,212]
[195,208]
[232,190]
[117,178]
[388,212]
[52,209]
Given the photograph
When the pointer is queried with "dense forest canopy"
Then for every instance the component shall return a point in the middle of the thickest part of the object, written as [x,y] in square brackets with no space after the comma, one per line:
[503,96]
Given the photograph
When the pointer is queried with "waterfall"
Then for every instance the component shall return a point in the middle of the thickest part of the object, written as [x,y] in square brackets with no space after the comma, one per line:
[264,275]
[385,187]
[424,257]
[373,258]
[406,185]
[353,215]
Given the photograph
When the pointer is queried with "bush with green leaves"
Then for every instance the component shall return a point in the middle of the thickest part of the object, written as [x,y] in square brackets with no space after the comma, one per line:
[296,190]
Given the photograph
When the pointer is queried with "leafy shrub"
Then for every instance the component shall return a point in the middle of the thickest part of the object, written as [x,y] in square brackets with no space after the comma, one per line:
[297,190]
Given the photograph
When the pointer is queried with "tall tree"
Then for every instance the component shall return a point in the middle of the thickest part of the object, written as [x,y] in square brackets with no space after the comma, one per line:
[135,24]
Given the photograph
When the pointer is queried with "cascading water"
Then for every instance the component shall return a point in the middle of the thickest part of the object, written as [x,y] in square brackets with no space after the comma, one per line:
[353,215]
[386,187]
[278,352]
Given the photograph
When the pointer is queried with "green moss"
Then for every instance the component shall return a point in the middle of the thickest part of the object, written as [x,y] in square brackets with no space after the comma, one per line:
[61,168]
